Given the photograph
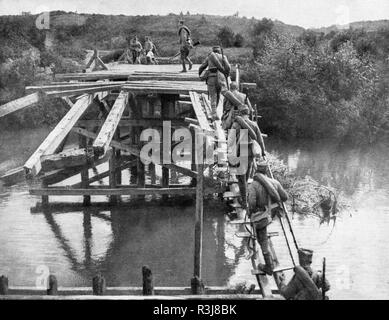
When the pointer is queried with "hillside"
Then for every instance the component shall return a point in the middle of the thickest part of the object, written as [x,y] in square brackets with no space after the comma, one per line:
[369,26]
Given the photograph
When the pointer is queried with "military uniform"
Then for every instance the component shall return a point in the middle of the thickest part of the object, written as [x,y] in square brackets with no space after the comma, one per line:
[136,49]
[260,209]
[150,49]
[216,81]
[186,45]
[296,289]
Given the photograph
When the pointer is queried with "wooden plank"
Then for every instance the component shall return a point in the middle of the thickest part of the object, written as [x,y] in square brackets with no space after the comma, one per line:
[121,146]
[60,191]
[201,117]
[57,176]
[19,104]
[76,92]
[13,176]
[124,122]
[105,136]
[55,138]
[66,159]
[71,86]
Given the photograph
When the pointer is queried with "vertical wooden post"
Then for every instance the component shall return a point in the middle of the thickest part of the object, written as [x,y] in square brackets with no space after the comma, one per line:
[148,286]
[237,76]
[153,178]
[45,199]
[196,283]
[3,285]
[83,142]
[140,166]
[118,155]
[112,176]
[165,103]
[53,286]
[98,285]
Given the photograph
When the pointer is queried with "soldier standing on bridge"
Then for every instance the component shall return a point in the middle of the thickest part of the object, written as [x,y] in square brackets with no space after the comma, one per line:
[218,69]
[150,51]
[264,196]
[186,44]
[136,49]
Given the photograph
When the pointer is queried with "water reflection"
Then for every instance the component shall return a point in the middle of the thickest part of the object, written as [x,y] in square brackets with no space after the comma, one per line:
[158,236]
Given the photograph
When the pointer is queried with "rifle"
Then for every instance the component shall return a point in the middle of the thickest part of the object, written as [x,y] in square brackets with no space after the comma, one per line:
[224,66]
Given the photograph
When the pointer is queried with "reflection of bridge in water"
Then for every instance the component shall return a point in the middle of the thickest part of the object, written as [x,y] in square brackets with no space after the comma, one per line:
[154,235]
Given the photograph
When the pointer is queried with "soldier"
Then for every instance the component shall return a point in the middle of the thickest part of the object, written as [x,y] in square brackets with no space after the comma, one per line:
[242,121]
[150,51]
[305,283]
[218,72]
[232,100]
[186,44]
[263,193]
[136,49]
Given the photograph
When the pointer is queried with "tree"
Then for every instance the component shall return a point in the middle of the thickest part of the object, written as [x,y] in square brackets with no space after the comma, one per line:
[239,40]
[226,37]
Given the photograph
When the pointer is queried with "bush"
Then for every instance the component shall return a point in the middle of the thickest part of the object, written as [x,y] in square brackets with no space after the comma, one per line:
[239,40]
[226,37]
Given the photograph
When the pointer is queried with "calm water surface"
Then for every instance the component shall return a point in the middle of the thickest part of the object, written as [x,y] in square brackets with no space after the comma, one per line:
[74,242]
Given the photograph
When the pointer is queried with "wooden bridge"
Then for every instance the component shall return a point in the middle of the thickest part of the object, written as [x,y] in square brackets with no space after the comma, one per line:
[108,109]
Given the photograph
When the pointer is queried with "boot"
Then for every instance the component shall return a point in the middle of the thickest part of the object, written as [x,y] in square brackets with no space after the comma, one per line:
[183,67]
[269,266]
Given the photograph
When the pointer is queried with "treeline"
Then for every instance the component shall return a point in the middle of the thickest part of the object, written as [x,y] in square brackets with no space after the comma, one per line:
[322,85]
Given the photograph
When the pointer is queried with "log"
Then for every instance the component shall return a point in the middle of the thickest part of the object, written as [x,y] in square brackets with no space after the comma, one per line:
[55,138]
[105,136]
[98,285]
[3,285]
[19,104]
[53,286]
[148,286]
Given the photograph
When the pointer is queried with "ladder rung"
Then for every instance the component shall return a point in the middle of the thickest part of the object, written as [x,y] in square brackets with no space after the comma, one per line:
[240,222]
[272,234]
[229,194]
[245,235]
[283,269]
[256,271]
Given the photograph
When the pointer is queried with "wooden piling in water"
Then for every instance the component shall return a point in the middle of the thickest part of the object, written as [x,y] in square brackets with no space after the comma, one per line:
[83,142]
[3,285]
[98,285]
[53,286]
[196,282]
[148,285]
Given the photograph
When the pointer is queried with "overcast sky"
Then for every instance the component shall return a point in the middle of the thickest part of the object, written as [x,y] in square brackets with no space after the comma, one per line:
[305,13]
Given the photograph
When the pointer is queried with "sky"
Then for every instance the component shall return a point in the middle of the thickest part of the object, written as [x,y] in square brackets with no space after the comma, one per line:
[305,13]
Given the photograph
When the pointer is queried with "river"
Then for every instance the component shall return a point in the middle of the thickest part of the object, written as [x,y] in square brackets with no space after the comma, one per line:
[75,243]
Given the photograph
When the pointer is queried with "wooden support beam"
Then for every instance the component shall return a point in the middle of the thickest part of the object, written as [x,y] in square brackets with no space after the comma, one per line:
[13,176]
[105,174]
[55,138]
[57,176]
[66,86]
[196,282]
[125,122]
[65,191]
[201,117]
[65,159]
[83,143]
[115,144]
[105,136]
[19,104]
[77,92]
